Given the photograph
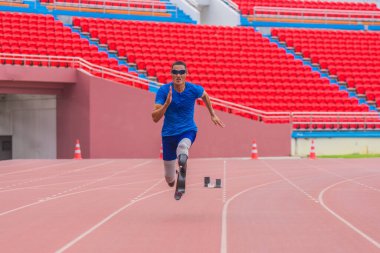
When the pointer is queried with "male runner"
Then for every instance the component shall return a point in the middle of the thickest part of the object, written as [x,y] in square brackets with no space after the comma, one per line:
[176,101]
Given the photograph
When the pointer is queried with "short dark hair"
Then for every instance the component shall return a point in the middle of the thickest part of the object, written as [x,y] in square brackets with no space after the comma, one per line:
[179,63]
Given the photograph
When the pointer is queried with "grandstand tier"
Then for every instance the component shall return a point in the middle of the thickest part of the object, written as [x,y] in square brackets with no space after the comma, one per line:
[236,64]
[352,56]
[128,8]
[36,34]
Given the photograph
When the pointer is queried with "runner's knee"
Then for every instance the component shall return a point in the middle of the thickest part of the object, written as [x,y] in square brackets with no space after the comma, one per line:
[184,146]
[170,170]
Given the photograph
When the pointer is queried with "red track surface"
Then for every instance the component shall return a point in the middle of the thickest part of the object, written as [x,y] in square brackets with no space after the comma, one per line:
[288,205]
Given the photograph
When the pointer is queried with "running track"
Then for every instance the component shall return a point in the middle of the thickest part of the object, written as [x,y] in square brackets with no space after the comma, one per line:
[279,205]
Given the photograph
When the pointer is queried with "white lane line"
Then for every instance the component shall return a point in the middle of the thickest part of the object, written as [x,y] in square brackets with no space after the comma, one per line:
[98,180]
[56,175]
[340,218]
[224,184]
[42,200]
[223,241]
[291,183]
[105,220]
[37,168]
[17,163]
[132,201]
[346,178]
[41,186]
[109,187]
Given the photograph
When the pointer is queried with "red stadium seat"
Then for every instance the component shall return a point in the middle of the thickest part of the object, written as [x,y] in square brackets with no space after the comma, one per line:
[236,64]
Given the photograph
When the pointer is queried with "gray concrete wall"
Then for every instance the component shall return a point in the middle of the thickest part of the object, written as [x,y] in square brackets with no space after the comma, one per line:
[5,147]
[31,121]
[187,8]
[219,13]
[27,115]
[210,12]
[5,117]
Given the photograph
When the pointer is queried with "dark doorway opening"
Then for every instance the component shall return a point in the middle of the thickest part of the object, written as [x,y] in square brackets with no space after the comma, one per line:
[5,147]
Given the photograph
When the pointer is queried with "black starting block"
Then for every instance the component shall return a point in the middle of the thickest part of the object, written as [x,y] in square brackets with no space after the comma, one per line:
[218,183]
[206,181]
[209,184]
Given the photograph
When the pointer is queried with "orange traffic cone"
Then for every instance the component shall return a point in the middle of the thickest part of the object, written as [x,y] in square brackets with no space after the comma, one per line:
[254,154]
[312,151]
[161,153]
[77,152]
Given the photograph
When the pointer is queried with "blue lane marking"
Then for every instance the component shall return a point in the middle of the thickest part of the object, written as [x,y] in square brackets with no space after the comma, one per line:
[336,134]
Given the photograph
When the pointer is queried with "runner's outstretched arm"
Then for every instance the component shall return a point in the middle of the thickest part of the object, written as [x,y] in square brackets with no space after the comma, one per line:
[214,118]
[159,110]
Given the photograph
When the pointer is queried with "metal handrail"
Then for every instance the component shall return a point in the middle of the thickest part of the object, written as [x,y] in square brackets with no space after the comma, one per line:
[324,14]
[108,5]
[232,4]
[291,117]
[193,3]
[12,1]
[77,62]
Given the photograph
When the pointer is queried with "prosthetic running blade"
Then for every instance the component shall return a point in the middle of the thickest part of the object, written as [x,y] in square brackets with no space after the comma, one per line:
[180,187]
[181,178]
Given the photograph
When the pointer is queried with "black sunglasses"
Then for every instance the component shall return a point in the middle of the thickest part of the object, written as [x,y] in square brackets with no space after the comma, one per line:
[176,72]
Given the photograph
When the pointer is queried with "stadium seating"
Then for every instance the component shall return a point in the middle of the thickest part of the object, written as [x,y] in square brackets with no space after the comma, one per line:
[36,34]
[352,56]
[41,35]
[235,64]
[246,6]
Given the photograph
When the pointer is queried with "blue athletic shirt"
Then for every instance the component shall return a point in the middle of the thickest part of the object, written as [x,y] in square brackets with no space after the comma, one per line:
[179,117]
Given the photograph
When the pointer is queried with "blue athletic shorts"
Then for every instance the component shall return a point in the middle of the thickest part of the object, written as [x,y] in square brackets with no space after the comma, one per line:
[170,144]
